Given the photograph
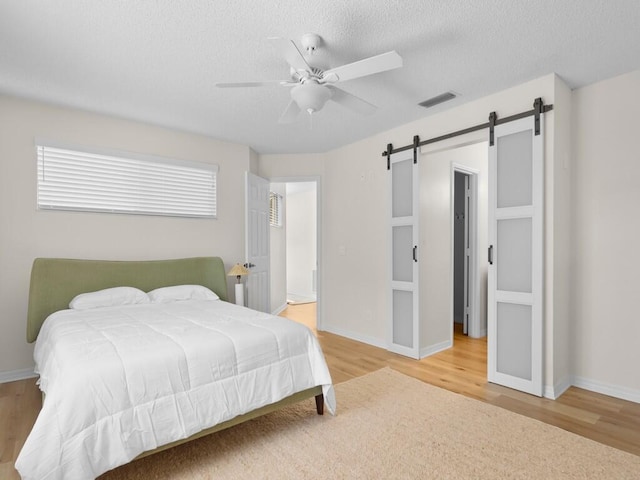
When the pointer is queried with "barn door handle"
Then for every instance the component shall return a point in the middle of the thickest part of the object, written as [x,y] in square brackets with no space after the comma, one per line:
[415,253]
[491,255]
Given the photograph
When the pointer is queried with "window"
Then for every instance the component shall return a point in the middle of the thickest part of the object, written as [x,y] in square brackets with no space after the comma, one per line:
[120,182]
[275,209]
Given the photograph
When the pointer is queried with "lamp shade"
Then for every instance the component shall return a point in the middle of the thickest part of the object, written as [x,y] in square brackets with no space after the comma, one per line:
[310,96]
[238,270]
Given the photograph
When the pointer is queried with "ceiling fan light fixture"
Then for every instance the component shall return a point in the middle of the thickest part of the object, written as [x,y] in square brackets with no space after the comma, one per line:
[310,96]
[312,83]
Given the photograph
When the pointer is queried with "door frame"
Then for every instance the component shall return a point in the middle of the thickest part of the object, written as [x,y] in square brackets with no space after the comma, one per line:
[317,179]
[474,327]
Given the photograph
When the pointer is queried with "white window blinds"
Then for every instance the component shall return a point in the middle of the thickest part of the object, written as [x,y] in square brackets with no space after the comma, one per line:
[275,209]
[124,183]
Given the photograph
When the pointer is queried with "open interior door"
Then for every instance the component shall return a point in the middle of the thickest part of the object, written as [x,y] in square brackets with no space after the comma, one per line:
[405,295]
[257,242]
[516,281]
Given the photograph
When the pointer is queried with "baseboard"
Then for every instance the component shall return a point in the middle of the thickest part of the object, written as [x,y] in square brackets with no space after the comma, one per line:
[438,347]
[482,334]
[294,298]
[279,310]
[13,375]
[376,342]
[554,392]
[607,389]
[373,341]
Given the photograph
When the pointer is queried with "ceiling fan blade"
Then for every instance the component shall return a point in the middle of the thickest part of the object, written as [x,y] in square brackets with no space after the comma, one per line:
[352,102]
[246,84]
[290,53]
[367,66]
[290,114]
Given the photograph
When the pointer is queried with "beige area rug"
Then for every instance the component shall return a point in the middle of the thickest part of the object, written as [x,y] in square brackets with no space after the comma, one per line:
[394,427]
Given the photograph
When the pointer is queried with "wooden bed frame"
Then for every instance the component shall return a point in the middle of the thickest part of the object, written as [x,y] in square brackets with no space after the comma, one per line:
[55,281]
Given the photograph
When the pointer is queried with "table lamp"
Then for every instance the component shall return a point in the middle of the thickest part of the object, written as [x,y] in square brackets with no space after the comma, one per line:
[238,271]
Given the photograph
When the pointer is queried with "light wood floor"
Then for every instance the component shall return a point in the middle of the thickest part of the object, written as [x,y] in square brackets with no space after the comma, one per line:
[461,369]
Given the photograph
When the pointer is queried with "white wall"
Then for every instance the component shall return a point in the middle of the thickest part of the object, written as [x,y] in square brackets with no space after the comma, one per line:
[26,233]
[278,255]
[606,226]
[301,237]
[356,206]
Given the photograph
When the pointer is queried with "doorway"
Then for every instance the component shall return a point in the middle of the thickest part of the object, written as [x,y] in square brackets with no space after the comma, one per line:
[301,248]
[437,240]
[464,250]
[461,250]
[295,250]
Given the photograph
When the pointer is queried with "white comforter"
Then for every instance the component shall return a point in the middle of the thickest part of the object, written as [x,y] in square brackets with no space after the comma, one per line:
[123,380]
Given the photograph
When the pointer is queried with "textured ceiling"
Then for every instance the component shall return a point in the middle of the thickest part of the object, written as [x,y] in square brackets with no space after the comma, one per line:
[158,60]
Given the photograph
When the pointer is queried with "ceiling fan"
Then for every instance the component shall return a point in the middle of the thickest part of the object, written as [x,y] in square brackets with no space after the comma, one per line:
[312,86]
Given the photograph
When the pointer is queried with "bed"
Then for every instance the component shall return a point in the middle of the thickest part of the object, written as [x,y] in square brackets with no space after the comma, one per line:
[122,381]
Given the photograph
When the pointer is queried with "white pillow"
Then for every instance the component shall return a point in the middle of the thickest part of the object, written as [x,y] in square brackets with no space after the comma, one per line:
[109,297]
[181,292]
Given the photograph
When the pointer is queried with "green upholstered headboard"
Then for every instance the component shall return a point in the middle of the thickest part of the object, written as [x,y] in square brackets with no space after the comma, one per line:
[55,281]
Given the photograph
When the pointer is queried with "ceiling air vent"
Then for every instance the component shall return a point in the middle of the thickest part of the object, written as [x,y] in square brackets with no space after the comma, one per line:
[443,97]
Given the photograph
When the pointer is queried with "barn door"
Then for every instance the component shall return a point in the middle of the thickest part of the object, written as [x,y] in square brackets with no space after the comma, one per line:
[257,242]
[403,327]
[515,284]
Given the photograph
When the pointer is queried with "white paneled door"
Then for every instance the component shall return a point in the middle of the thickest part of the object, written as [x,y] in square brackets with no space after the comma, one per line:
[467,256]
[257,242]
[515,283]
[404,302]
